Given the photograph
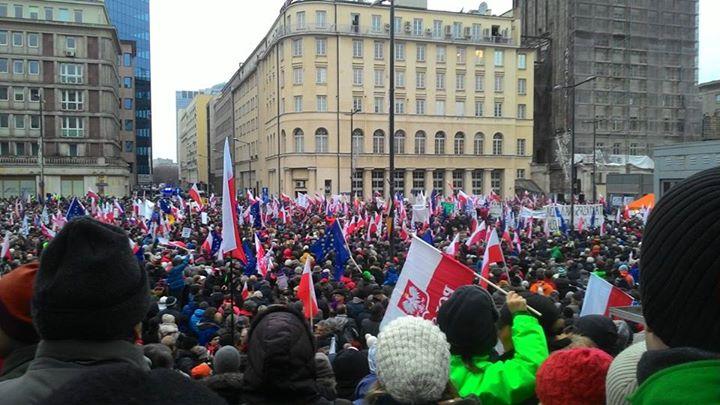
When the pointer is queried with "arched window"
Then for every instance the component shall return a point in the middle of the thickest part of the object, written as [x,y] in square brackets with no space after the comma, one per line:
[379,141]
[358,139]
[420,138]
[498,144]
[299,140]
[321,140]
[283,139]
[479,144]
[459,143]
[400,141]
[440,143]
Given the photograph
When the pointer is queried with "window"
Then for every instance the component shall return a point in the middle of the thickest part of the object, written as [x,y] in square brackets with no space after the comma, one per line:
[72,100]
[72,127]
[378,50]
[616,149]
[358,76]
[378,105]
[19,94]
[49,13]
[440,143]
[437,28]
[17,39]
[477,181]
[128,125]
[398,24]
[457,179]
[479,82]
[460,81]
[420,106]
[4,118]
[71,44]
[378,181]
[71,73]
[127,82]
[633,149]
[357,48]
[20,149]
[379,141]
[461,55]
[34,122]
[479,108]
[4,93]
[379,77]
[522,58]
[439,180]
[400,105]
[376,23]
[399,51]
[496,181]
[498,109]
[399,179]
[128,103]
[78,16]
[479,57]
[320,47]
[440,54]
[499,81]
[420,51]
[358,103]
[521,147]
[521,111]
[321,75]
[420,139]
[300,15]
[498,58]
[440,81]
[18,11]
[72,150]
[417,26]
[322,103]
[479,144]
[297,47]
[64,15]
[457,30]
[298,103]
[357,183]
[440,107]
[459,145]
[522,86]
[299,140]
[4,65]
[459,108]
[3,10]
[3,37]
[520,174]
[400,142]
[321,140]
[358,141]
[420,80]
[19,121]
[497,144]
[298,75]
[33,67]
[399,79]
[33,39]
[18,67]
[418,181]
[321,18]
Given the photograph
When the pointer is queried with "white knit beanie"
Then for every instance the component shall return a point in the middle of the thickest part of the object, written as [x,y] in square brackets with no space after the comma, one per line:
[621,380]
[413,360]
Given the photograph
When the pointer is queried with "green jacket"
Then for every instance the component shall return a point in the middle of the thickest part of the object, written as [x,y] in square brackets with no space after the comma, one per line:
[510,381]
[697,382]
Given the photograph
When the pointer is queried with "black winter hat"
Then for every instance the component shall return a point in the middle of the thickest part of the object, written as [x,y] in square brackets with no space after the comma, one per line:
[89,286]
[544,305]
[468,320]
[679,266]
[601,330]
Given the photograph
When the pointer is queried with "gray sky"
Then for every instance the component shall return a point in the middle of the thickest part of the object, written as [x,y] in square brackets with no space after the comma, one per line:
[197,44]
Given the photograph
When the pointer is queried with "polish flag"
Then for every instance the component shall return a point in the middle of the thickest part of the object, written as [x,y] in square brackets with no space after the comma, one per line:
[306,292]
[207,244]
[48,233]
[428,278]
[493,254]
[453,247]
[260,255]
[600,296]
[195,195]
[134,246]
[477,236]
[94,198]
[5,254]
[581,224]
[516,241]
[245,293]
[231,242]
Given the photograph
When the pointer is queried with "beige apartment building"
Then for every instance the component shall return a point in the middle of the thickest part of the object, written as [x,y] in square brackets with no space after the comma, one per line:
[60,103]
[463,101]
[193,157]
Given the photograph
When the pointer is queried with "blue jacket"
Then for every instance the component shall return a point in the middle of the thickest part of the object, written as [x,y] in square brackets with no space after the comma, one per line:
[196,319]
[175,278]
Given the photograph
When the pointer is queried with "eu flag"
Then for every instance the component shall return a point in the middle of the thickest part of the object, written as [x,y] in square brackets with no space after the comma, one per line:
[75,209]
[428,237]
[249,269]
[563,226]
[332,241]
[255,212]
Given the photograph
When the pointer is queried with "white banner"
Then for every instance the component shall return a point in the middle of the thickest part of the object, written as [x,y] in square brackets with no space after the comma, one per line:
[526,213]
[584,211]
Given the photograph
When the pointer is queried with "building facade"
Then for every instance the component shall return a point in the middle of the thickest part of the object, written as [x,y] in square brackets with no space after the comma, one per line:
[221,128]
[165,171]
[644,55]
[126,69]
[710,105]
[193,142]
[463,101]
[59,92]
[677,162]
[132,20]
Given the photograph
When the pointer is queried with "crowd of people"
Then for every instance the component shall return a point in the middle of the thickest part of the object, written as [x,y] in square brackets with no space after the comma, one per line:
[114,308]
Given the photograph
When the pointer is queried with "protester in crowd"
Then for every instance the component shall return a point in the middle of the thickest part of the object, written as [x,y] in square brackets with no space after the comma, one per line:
[227,379]
[621,379]
[573,377]
[601,331]
[18,339]
[550,322]
[160,356]
[468,320]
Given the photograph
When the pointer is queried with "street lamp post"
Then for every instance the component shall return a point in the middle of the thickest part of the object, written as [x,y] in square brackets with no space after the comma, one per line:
[573,173]
[352,148]
[594,172]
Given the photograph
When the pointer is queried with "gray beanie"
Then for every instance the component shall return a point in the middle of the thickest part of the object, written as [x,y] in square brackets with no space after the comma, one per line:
[621,380]
[413,360]
[227,360]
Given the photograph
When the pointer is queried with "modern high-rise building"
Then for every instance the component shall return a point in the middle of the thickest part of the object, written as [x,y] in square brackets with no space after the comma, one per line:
[643,55]
[132,19]
[59,91]
[311,102]
[193,157]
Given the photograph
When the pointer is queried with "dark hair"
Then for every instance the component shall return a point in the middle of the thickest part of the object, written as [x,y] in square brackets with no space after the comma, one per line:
[377,312]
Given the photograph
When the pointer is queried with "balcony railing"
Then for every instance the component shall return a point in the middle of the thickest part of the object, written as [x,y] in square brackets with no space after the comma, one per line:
[18,160]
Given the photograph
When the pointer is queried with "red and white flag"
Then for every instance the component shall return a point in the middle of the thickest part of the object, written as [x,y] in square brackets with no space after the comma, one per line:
[48,233]
[600,296]
[207,244]
[453,247]
[5,254]
[260,255]
[195,195]
[306,292]
[231,242]
[134,246]
[493,254]
[428,278]
[245,293]
[477,236]
[516,242]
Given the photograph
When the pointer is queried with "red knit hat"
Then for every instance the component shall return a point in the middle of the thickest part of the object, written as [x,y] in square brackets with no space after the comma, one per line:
[16,290]
[573,377]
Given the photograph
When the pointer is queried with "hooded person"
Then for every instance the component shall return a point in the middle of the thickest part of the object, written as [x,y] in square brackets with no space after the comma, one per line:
[550,321]
[226,380]
[18,339]
[350,366]
[468,320]
[680,288]
[601,330]
[281,365]
[90,297]
[573,377]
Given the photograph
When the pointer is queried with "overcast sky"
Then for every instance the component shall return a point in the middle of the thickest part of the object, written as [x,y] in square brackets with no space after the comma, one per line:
[196,44]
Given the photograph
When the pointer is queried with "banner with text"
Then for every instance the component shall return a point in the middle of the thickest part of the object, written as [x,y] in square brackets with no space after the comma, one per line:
[591,215]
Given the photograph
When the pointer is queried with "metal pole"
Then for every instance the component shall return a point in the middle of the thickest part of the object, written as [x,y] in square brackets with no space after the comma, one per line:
[41,148]
[391,128]
[573,174]
[352,149]
[594,182]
